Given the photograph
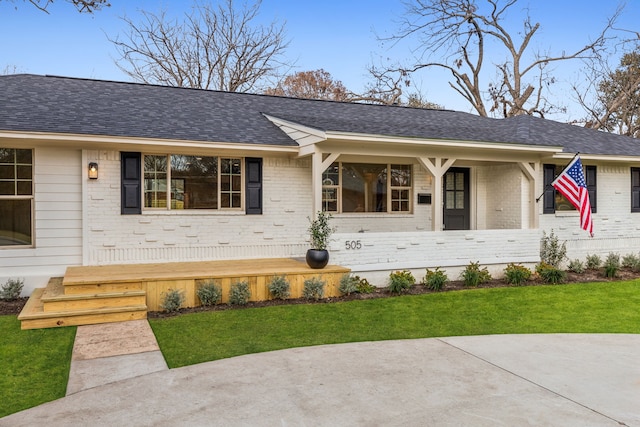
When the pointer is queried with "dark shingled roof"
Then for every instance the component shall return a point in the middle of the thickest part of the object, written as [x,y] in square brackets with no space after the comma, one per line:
[35,103]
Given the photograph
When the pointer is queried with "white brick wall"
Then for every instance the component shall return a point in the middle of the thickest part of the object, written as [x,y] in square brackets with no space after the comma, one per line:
[616,228]
[192,235]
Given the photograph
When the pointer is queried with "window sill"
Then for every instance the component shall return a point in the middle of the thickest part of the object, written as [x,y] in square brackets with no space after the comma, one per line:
[373,215]
[193,212]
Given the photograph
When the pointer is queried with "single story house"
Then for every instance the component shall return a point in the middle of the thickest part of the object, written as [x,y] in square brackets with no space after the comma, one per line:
[100,172]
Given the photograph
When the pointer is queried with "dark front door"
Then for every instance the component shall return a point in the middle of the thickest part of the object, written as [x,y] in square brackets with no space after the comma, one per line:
[456,199]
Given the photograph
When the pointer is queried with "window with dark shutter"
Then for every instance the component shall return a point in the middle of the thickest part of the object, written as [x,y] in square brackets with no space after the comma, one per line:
[131,177]
[253,183]
[635,189]
[590,177]
[549,198]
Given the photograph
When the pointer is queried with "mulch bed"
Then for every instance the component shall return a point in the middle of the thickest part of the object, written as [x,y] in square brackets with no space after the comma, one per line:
[15,306]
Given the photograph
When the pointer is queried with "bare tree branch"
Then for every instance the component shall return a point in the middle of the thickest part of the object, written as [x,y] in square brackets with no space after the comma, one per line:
[212,48]
[83,6]
[464,27]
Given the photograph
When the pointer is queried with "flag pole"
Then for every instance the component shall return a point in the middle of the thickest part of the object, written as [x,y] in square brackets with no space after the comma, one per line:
[554,178]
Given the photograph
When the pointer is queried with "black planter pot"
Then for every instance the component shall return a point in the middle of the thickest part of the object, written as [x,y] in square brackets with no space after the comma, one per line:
[317,258]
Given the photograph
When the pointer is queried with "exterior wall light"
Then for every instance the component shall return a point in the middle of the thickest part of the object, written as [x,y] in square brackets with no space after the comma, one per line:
[93,170]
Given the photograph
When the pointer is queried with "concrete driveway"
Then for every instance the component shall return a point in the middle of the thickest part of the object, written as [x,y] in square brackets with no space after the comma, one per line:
[500,380]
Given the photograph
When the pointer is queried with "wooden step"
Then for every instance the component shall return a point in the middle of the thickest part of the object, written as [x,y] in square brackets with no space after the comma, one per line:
[54,299]
[33,315]
[100,288]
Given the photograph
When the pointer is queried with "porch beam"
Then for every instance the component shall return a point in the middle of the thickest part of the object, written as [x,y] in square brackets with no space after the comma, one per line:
[438,167]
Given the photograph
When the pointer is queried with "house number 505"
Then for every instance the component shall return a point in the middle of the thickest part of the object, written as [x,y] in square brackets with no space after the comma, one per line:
[353,244]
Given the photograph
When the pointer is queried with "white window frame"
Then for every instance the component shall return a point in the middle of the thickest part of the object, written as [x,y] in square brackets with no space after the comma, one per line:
[388,185]
[218,187]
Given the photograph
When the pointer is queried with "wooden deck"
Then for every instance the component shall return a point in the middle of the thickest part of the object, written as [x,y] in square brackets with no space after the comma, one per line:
[113,293]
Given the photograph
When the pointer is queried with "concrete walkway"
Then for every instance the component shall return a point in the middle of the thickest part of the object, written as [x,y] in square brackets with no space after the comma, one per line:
[501,380]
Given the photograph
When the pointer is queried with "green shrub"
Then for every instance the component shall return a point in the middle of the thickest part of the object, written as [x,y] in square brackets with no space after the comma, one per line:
[279,287]
[348,284]
[473,275]
[209,293]
[550,274]
[630,261]
[577,266]
[400,281]
[435,279]
[364,287]
[239,293]
[612,265]
[313,289]
[551,252]
[516,274]
[172,300]
[11,290]
[593,262]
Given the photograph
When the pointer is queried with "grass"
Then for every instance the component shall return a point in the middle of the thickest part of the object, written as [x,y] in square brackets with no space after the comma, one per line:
[35,365]
[608,307]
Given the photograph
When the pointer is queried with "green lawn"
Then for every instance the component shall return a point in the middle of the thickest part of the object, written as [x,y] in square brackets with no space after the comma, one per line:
[609,307]
[35,364]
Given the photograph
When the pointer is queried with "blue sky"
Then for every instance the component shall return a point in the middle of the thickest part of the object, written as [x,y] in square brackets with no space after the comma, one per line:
[337,35]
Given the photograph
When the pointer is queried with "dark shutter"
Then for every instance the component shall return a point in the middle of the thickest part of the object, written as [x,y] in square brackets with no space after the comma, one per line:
[131,178]
[590,176]
[549,198]
[253,181]
[635,189]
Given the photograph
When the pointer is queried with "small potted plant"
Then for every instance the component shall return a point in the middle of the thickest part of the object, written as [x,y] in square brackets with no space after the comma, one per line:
[320,232]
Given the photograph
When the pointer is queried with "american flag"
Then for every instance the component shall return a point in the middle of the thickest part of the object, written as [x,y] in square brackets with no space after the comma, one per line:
[572,185]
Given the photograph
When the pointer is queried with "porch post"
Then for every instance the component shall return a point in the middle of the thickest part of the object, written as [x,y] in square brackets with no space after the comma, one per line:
[530,170]
[318,166]
[437,168]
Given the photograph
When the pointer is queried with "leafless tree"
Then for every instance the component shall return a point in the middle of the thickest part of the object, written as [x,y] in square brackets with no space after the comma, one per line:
[611,97]
[83,6]
[390,87]
[212,48]
[455,36]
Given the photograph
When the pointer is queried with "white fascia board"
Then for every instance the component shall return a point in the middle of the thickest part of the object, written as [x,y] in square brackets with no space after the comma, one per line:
[448,143]
[600,157]
[303,135]
[98,141]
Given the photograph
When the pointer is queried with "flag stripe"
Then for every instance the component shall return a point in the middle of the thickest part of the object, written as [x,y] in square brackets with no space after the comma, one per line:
[572,185]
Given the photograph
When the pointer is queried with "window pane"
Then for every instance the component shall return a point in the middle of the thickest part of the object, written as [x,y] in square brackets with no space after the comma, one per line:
[364,187]
[24,171]
[331,175]
[24,188]
[562,204]
[459,181]
[15,222]
[24,157]
[231,183]
[7,155]
[448,179]
[155,181]
[449,200]
[236,200]
[7,188]
[7,171]
[236,183]
[194,182]
[330,199]
[459,200]
[400,175]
